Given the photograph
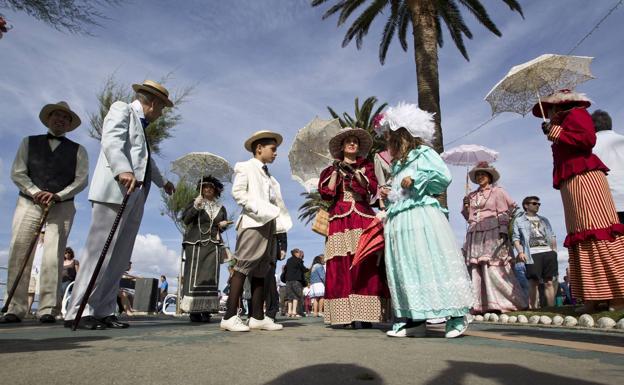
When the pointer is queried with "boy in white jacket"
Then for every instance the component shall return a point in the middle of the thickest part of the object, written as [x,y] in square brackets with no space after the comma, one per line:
[258,193]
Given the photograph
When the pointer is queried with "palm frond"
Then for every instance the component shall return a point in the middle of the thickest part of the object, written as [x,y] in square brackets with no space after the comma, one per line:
[361,25]
[404,21]
[386,37]
[348,9]
[455,23]
[514,6]
[479,12]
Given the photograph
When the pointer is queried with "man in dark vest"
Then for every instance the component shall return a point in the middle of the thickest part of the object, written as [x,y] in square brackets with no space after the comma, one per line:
[49,169]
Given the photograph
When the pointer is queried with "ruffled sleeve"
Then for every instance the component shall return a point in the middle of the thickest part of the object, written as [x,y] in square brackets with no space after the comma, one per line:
[323,189]
[575,129]
[430,174]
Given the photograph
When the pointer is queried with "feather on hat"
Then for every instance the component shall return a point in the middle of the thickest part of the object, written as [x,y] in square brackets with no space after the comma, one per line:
[417,122]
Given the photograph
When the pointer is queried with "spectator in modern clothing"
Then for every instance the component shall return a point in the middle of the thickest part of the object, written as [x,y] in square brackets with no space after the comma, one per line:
[536,246]
[610,149]
[317,285]
[281,288]
[164,289]
[294,276]
[70,269]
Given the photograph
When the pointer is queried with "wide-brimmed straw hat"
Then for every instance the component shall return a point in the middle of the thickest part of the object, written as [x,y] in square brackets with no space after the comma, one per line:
[44,115]
[561,97]
[484,166]
[263,134]
[155,89]
[364,138]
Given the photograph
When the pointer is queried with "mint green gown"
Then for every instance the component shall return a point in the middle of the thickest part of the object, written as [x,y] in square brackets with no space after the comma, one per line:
[426,272]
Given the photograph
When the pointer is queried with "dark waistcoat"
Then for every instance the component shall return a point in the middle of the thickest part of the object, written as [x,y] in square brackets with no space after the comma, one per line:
[49,170]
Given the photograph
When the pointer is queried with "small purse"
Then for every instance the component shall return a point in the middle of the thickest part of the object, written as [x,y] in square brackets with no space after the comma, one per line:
[321,223]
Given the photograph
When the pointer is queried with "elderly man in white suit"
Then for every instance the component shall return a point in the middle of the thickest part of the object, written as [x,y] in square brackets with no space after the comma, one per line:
[125,166]
[258,193]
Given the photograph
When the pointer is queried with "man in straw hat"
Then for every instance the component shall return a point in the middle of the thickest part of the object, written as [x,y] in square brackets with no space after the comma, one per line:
[258,193]
[48,169]
[124,165]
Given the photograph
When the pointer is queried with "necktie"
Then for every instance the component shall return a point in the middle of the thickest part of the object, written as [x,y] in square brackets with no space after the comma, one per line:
[144,123]
[59,138]
[266,170]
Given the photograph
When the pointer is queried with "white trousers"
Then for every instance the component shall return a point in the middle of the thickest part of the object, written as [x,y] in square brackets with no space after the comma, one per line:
[25,222]
[103,299]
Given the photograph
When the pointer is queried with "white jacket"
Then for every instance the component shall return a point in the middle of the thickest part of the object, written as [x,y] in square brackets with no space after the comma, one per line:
[252,190]
[124,149]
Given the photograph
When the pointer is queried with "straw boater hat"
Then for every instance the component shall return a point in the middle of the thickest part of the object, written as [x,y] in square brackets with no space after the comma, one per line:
[156,89]
[335,143]
[561,97]
[44,115]
[264,134]
[484,166]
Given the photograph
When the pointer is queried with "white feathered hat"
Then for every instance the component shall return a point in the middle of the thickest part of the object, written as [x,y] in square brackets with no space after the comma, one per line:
[417,122]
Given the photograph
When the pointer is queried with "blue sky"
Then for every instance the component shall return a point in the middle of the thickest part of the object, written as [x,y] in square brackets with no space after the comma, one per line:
[274,64]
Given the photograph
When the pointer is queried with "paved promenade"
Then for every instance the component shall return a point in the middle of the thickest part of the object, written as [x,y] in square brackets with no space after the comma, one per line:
[173,351]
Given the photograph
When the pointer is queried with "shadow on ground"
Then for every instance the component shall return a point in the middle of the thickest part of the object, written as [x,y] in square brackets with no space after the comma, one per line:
[504,374]
[565,335]
[329,374]
[34,345]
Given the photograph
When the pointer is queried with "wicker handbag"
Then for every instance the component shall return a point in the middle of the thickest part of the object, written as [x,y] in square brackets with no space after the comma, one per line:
[321,223]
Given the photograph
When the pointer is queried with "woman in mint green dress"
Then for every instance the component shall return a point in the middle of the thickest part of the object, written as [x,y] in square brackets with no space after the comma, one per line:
[426,272]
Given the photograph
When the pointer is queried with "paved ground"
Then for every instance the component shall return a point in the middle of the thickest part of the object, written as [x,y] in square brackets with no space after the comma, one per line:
[173,351]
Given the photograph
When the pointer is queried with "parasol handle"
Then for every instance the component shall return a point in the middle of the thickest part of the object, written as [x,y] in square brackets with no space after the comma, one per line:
[539,101]
[467,184]
[323,155]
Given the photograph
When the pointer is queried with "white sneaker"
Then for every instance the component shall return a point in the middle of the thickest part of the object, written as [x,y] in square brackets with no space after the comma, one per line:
[455,327]
[234,324]
[266,323]
[400,331]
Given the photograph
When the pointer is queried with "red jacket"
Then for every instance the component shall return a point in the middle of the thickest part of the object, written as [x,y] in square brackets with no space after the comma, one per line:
[573,136]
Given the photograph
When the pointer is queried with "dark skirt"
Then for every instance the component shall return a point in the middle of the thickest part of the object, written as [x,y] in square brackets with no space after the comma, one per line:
[201,278]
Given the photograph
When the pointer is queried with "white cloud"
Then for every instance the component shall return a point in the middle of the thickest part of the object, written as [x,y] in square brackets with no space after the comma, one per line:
[151,257]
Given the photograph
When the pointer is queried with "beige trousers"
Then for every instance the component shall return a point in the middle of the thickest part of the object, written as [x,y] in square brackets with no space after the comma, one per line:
[25,221]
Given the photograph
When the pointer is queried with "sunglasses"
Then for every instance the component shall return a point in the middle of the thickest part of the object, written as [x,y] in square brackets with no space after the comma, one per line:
[534,203]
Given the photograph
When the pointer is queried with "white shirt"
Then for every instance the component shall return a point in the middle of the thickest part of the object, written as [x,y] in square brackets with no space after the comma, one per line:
[610,149]
[19,171]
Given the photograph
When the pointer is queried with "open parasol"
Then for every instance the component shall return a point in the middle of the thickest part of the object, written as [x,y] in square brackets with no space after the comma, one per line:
[195,165]
[469,155]
[523,85]
[371,241]
[309,153]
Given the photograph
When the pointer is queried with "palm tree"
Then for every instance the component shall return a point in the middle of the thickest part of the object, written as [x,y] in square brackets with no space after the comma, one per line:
[363,118]
[426,18]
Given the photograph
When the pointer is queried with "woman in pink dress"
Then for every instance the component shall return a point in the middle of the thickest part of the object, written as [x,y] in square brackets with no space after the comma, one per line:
[487,249]
[359,293]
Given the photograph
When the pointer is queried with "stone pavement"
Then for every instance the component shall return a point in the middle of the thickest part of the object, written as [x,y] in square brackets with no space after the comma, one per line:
[166,350]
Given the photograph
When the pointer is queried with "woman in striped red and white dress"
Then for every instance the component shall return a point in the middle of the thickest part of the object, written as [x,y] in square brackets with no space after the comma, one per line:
[595,239]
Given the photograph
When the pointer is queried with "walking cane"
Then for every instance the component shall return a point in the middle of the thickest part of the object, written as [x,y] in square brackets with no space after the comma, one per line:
[100,262]
[42,221]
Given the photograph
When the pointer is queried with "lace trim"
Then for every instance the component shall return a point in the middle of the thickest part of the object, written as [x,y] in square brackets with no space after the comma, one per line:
[341,244]
[357,307]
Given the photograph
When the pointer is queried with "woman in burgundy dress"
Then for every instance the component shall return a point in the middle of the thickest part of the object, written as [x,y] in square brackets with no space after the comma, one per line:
[359,293]
[595,239]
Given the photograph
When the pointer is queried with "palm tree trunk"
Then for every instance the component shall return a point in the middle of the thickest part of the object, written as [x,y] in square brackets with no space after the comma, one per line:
[426,54]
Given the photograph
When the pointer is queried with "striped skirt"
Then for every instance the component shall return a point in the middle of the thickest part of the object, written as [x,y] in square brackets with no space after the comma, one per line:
[595,242]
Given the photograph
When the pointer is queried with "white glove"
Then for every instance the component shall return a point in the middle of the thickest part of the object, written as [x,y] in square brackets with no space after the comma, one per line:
[199,202]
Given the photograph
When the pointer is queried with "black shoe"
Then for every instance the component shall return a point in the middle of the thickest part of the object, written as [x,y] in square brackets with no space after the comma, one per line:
[205,317]
[86,323]
[9,319]
[195,317]
[47,319]
[366,325]
[113,322]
